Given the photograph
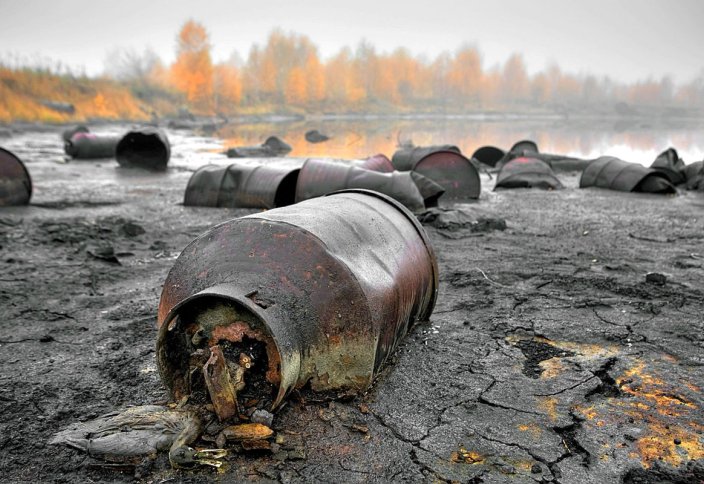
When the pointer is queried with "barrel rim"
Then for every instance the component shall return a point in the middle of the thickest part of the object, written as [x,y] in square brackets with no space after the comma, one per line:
[24,167]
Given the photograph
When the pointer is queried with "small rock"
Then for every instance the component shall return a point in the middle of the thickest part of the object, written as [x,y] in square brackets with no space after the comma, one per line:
[656,278]
[677,441]
[263,417]
[131,229]
[536,469]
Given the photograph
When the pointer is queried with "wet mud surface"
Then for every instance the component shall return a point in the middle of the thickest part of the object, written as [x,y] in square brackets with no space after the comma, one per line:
[549,357]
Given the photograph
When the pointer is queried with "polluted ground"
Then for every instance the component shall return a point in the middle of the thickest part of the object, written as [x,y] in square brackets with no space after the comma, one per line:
[537,335]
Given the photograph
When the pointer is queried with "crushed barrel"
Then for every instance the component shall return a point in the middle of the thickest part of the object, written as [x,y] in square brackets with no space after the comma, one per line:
[146,148]
[694,174]
[264,185]
[69,132]
[91,146]
[320,176]
[273,146]
[526,172]
[615,174]
[379,162]
[445,165]
[671,165]
[15,182]
[314,295]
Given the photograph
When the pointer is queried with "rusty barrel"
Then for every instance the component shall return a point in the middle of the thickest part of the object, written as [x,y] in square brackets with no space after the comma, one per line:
[488,155]
[671,165]
[527,172]
[146,148]
[445,165]
[15,182]
[320,176]
[694,174]
[90,146]
[379,162]
[316,295]
[615,174]
[267,185]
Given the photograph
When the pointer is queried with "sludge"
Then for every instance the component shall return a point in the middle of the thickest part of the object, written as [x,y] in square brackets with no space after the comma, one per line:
[316,295]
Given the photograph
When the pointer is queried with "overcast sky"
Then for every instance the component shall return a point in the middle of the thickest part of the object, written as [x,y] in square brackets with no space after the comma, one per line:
[625,39]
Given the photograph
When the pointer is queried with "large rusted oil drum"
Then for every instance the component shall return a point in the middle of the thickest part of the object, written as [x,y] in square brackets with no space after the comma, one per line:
[266,185]
[445,165]
[615,174]
[146,148]
[15,182]
[527,172]
[91,146]
[320,176]
[315,295]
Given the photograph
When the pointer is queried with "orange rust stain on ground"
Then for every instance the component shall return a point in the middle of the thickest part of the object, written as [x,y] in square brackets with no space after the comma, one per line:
[465,456]
[534,429]
[551,368]
[549,406]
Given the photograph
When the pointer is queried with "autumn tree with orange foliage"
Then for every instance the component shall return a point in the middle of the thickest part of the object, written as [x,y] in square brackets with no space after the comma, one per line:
[192,73]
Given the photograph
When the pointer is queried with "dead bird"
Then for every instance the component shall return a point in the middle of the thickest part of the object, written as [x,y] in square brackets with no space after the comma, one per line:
[139,432]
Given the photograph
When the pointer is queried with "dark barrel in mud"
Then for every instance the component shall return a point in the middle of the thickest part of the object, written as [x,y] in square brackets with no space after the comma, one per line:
[526,172]
[15,182]
[91,146]
[267,185]
[69,132]
[316,295]
[320,176]
[615,174]
[443,164]
[488,155]
[146,148]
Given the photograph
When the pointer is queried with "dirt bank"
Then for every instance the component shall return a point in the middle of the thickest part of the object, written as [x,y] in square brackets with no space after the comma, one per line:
[549,357]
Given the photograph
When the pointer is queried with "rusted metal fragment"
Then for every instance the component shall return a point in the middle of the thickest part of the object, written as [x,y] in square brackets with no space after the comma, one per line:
[87,146]
[344,277]
[671,165]
[247,432]
[219,383]
[146,148]
[320,176]
[614,174]
[262,185]
[445,165]
[694,173]
[15,182]
[379,162]
[527,173]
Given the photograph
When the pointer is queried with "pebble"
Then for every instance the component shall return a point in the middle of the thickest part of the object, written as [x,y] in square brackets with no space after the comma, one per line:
[656,278]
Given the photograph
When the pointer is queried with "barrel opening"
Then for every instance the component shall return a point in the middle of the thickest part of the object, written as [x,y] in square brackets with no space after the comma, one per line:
[217,352]
[286,191]
[145,150]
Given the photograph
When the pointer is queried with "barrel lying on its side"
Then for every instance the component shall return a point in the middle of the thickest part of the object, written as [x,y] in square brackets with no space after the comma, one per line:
[69,132]
[317,294]
[615,174]
[267,185]
[694,174]
[146,148]
[527,173]
[90,146]
[379,162]
[321,176]
[488,155]
[671,165]
[445,165]
[15,182]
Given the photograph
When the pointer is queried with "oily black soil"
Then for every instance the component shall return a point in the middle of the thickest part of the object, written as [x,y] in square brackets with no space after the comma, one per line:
[549,357]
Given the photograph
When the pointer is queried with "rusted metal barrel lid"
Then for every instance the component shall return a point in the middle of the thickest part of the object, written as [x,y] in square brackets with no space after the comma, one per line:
[268,185]
[146,148]
[615,174]
[335,281]
[671,165]
[15,182]
[526,172]
[488,155]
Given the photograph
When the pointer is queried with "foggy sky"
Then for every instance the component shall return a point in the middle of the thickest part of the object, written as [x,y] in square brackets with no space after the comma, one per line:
[625,39]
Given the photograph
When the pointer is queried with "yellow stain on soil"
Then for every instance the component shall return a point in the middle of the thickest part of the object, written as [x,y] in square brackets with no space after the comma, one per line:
[551,368]
[464,456]
[549,406]
[660,444]
[535,430]
[583,349]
